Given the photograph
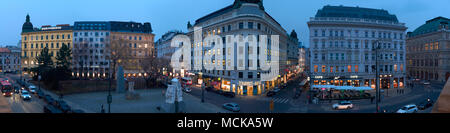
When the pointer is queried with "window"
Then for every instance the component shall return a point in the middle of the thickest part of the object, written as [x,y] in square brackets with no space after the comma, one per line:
[241,75]
[356,68]
[323,32]
[349,68]
[250,75]
[250,25]
[316,68]
[324,68]
[315,33]
[259,26]
[323,57]
[241,25]
[366,68]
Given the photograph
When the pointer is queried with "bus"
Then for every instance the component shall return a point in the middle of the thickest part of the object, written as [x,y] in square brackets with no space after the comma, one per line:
[6,88]
[186,81]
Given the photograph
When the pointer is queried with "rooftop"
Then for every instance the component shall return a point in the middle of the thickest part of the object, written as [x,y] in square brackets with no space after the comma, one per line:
[356,12]
[430,26]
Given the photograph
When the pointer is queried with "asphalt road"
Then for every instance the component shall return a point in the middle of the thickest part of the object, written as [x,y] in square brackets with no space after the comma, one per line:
[18,105]
[283,100]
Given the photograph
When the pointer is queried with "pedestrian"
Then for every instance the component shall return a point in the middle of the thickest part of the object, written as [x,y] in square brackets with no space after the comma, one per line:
[103,109]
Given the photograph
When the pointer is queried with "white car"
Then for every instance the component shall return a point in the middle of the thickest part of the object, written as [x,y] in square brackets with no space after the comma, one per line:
[32,88]
[276,90]
[25,95]
[343,105]
[426,83]
[412,108]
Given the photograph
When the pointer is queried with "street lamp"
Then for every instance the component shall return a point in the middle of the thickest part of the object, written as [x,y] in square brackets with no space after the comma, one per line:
[202,86]
[377,77]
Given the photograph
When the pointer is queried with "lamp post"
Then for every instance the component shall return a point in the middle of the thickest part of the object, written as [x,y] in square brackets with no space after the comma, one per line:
[377,77]
[202,86]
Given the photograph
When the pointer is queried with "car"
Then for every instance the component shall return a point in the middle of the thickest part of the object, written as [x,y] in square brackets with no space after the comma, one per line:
[16,90]
[270,93]
[284,85]
[31,87]
[276,89]
[32,90]
[77,111]
[61,104]
[426,83]
[25,95]
[425,104]
[411,108]
[220,92]
[49,99]
[232,107]
[229,94]
[187,89]
[343,105]
[52,109]
[40,94]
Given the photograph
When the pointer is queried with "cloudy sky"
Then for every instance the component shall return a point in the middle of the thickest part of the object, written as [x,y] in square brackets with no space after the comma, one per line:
[168,15]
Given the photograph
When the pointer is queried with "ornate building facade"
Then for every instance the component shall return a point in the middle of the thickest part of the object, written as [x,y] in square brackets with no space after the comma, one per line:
[343,42]
[428,51]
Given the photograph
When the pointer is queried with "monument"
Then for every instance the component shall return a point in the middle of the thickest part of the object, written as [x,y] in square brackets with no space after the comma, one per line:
[174,98]
[120,87]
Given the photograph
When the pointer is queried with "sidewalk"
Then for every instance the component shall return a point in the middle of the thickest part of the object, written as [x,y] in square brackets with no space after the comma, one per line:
[4,106]
[148,102]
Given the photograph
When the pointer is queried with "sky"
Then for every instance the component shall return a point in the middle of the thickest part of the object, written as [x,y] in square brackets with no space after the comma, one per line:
[165,15]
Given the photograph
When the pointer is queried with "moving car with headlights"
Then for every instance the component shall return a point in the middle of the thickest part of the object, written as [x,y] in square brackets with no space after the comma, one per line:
[343,105]
[32,89]
[187,89]
[6,88]
[232,107]
[411,108]
[25,95]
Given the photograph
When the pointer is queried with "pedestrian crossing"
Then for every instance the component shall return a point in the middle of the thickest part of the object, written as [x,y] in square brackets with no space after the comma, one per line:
[276,100]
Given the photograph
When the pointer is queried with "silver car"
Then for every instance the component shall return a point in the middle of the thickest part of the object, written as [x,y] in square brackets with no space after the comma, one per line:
[25,95]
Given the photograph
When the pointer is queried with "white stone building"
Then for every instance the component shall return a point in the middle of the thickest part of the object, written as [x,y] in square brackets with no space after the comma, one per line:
[342,44]
[246,18]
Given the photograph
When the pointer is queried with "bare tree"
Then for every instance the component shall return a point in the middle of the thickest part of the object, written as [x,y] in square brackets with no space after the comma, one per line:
[154,68]
[120,53]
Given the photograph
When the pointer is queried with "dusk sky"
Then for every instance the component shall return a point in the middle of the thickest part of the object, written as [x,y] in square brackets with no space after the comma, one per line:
[168,15]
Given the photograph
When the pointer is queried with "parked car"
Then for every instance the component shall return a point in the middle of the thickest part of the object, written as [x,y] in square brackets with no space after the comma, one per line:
[31,87]
[232,107]
[276,89]
[40,94]
[25,95]
[220,92]
[187,89]
[229,94]
[63,106]
[343,105]
[425,104]
[411,108]
[51,109]
[77,111]
[426,83]
[49,100]
[270,93]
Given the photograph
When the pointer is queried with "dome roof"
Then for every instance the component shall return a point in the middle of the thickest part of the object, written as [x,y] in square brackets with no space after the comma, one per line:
[27,26]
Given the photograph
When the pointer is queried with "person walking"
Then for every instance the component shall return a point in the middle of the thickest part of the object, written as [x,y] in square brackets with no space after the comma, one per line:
[103,109]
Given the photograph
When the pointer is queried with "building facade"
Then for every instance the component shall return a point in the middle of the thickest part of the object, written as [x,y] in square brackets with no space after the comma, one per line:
[428,50]
[245,18]
[301,57]
[343,43]
[163,48]
[10,59]
[35,39]
[93,40]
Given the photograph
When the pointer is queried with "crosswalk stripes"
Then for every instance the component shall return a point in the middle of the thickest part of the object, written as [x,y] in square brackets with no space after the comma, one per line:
[277,100]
